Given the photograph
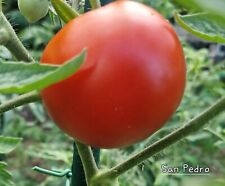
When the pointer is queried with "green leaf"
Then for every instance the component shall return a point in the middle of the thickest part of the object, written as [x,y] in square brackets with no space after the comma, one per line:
[7,144]
[25,77]
[5,176]
[203,25]
[214,7]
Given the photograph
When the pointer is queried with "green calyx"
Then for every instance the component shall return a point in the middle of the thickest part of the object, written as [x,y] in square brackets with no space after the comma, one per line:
[64,11]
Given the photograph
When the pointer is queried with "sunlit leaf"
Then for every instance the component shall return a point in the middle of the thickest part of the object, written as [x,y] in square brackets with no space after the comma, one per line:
[24,77]
[203,25]
[7,144]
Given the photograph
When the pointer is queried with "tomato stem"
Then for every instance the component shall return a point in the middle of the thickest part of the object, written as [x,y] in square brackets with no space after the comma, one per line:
[95,4]
[20,100]
[12,42]
[88,161]
[192,126]
[78,177]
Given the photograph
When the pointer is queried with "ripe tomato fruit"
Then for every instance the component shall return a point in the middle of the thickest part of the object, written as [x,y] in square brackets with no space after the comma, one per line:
[131,82]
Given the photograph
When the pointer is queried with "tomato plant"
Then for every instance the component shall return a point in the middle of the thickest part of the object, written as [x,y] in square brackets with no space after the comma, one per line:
[131,83]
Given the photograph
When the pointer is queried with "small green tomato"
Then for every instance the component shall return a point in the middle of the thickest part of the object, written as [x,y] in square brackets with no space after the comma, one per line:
[33,10]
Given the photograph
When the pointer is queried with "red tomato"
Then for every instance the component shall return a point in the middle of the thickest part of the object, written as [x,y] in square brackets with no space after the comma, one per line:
[131,82]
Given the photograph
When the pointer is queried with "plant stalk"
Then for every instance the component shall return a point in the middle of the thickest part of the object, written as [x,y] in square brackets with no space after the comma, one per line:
[88,161]
[78,177]
[192,126]
[13,43]
[19,101]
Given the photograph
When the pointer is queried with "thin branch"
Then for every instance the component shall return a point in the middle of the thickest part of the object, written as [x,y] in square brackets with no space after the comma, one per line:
[19,101]
[13,43]
[88,161]
[214,133]
[192,126]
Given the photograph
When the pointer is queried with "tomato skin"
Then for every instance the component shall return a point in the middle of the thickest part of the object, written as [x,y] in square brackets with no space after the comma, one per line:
[131,82]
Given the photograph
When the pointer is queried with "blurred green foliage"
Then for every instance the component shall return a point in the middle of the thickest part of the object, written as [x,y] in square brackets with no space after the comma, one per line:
[165,7]
[45,145]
